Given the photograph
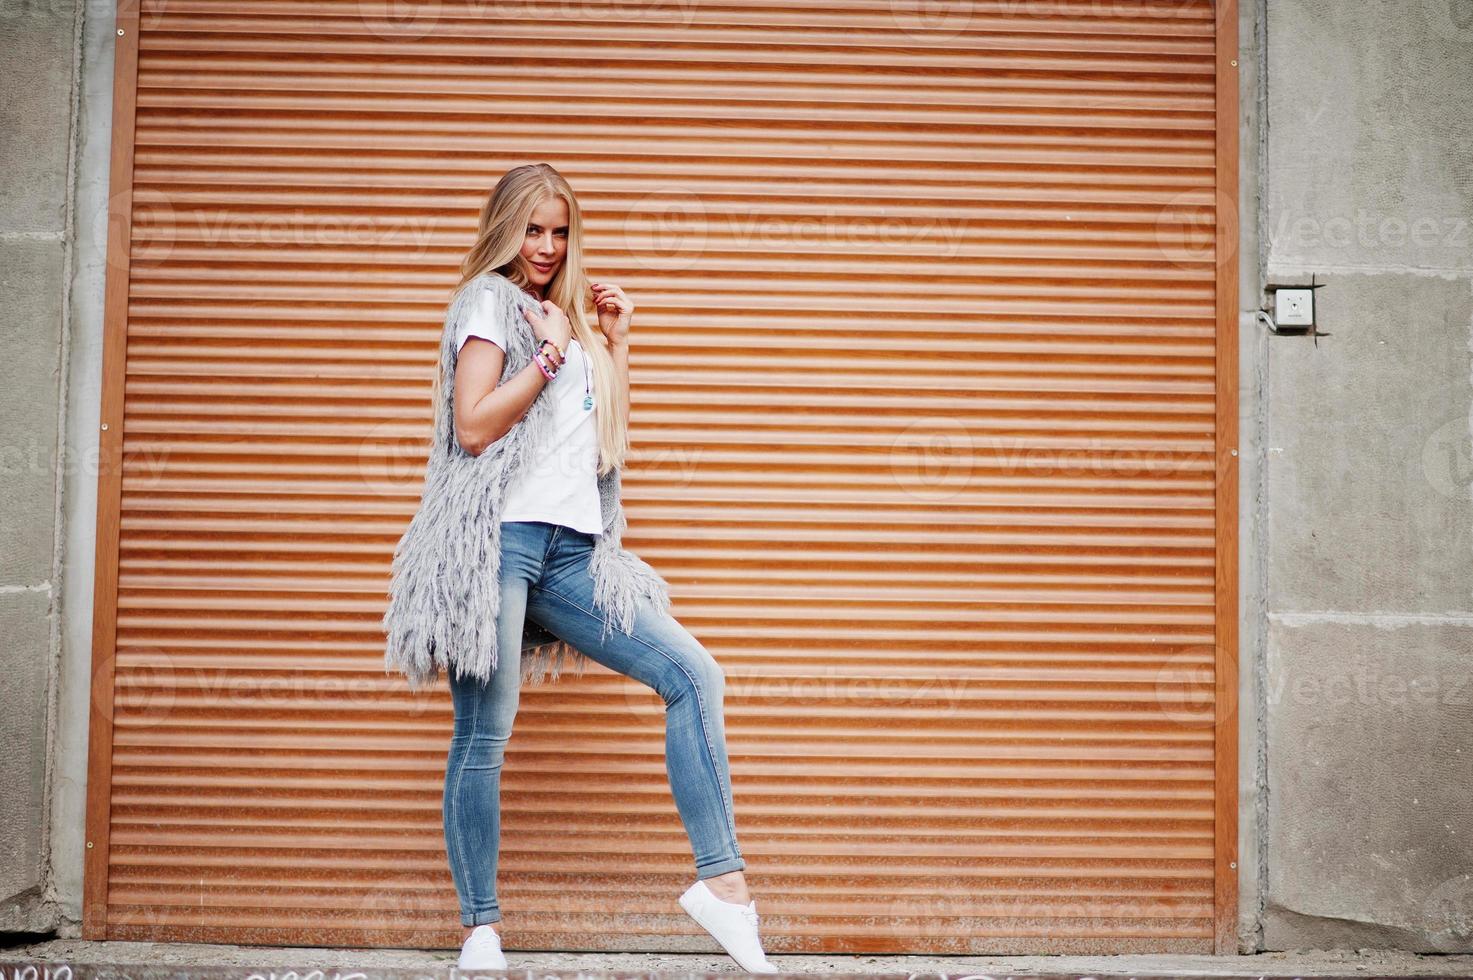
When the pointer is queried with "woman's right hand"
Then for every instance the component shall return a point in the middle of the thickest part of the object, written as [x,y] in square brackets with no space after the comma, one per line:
[552,324]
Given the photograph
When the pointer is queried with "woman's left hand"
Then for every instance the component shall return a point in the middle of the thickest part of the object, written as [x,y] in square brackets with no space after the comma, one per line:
[615,310]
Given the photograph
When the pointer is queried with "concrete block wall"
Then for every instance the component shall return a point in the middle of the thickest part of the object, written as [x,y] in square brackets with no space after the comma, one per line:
[1365,504]
[38,92]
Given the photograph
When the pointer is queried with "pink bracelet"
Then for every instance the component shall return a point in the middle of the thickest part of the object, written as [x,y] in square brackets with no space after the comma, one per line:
[542,364]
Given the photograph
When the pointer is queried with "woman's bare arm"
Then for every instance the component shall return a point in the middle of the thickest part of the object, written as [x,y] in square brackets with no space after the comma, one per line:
[615,311]
[620,353]
[485,410]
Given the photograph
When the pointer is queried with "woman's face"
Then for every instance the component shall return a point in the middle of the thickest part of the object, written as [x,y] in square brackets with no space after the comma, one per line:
[546,246]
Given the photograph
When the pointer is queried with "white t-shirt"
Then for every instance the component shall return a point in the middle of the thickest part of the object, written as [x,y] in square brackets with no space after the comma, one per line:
[560,484]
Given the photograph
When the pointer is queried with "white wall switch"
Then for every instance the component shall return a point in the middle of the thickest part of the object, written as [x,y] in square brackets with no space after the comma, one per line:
[1294,307]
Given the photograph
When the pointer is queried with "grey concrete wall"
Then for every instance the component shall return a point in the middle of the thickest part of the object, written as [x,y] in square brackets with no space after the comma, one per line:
[1251,352]
[93,199]
[1252,800]
[1365,505]
[38,89]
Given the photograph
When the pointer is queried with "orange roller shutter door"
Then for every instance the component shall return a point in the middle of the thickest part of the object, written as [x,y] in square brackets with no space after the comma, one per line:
[934,410]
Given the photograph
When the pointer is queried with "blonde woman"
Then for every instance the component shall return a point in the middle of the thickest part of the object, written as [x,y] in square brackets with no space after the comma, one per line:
[514,559]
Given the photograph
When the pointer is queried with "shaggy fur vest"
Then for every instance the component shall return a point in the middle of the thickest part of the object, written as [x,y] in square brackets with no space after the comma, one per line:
[443,593]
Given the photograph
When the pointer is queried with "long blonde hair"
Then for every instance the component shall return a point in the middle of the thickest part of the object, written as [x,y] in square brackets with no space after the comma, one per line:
[498,248]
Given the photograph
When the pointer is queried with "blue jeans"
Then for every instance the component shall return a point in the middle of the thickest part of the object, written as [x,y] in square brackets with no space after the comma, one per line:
[545,577]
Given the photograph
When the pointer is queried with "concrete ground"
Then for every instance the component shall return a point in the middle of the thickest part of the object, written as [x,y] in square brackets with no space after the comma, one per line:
[155,961]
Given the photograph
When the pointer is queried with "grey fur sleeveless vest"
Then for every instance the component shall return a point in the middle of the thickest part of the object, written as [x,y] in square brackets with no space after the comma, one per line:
[443,591]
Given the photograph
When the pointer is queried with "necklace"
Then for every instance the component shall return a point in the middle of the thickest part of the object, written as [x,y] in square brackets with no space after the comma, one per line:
[587,381]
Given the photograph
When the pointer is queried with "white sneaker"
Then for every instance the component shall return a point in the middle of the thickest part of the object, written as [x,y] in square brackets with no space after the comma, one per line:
[733,926]
[482,951]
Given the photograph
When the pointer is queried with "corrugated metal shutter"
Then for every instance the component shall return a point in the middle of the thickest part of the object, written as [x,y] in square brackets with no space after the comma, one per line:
[933,402]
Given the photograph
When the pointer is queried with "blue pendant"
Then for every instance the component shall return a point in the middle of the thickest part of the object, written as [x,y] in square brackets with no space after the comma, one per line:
[587,402]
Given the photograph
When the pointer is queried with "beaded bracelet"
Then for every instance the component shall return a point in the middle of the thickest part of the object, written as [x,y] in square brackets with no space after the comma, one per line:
[543,365]
[560,355]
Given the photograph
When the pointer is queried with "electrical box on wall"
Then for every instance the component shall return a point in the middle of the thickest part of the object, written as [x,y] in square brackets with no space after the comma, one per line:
[1294,307]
